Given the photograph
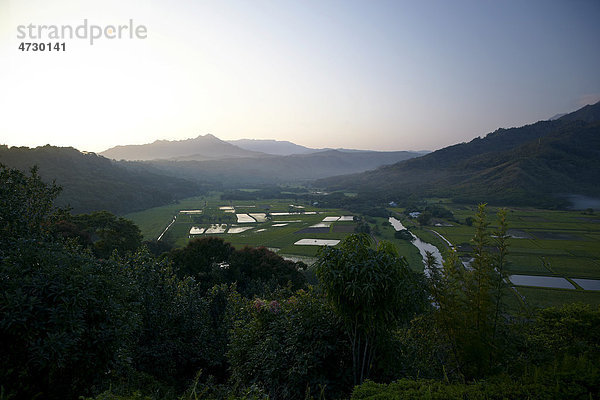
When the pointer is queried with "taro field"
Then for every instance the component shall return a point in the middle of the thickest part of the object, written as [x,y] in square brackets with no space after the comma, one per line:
[293,230]
[554,256]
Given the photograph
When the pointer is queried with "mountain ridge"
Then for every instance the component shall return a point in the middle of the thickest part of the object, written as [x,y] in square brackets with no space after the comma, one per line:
[91,182]
[279,169]
[203,147]
[274,147]
[531,165]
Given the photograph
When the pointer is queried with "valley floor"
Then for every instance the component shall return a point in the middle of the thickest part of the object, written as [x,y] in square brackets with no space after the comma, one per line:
[554,256]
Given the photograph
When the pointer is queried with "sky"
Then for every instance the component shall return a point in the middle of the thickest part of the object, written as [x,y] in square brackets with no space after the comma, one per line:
[371,74]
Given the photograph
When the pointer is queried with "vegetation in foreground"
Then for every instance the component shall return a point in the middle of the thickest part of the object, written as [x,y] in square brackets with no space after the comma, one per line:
[133,325]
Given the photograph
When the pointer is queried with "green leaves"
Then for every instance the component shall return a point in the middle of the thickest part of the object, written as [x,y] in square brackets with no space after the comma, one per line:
[469,298]
[64,317]
[26,204]
[367,287]
[291,346]
[371,291]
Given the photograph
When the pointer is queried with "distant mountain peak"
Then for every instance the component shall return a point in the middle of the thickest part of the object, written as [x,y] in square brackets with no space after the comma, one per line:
[273,147]
[203,147]
[589,114]
[556,116]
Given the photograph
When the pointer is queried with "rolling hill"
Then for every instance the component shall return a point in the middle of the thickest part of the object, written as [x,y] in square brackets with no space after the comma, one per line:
[537,164]
[274,147]
[235,172]
[91,182]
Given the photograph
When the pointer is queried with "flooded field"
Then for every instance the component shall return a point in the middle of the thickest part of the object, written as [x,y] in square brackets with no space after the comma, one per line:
[541,281]
[316,242]
[244,219]
[216,229]
[588,284]
[259,217]
[239,229]
[196,231]
[551,252]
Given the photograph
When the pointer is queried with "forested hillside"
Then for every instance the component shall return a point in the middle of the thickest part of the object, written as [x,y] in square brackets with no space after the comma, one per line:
[537,164]
[90,182]
[235,172]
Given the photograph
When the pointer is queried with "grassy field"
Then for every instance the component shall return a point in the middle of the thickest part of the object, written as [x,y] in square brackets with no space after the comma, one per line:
[546,243]
[153,222]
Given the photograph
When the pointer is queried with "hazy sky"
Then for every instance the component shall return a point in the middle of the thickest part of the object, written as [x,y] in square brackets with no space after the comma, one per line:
[384,75]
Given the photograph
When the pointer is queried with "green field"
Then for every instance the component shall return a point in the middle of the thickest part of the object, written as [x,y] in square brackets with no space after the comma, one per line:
[154,221]
[550,243]
[546,243]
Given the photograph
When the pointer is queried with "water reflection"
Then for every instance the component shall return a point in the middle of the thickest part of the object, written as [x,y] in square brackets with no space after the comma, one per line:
[419,244]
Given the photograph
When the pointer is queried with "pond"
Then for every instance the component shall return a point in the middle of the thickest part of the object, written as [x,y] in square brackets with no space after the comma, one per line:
[541,281]
[244,219]
[317,242]
[588,284]
[239,229]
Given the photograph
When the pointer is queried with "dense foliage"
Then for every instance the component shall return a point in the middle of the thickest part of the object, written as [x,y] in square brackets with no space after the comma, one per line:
[101,231]
[65,316]
[113,321]
[372,291]
[91,182]
[255,271]
[470,302]
[291,347]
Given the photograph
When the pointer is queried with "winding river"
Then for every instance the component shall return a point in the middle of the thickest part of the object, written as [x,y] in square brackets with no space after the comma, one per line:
[419,244]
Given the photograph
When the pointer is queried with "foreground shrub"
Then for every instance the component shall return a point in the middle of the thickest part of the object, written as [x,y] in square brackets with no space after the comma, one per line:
[291,347]
[183,329]
[65,317]
[577,379]
[373,292]
[64,320]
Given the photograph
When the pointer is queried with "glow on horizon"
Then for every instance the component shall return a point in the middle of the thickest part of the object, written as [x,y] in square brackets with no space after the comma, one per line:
[383,75]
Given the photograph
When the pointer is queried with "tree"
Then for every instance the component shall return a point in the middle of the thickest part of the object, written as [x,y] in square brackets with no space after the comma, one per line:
[362,227]
[470,303]
[424,218]
[372,291]
[108,233]
[291,347]
[376,230]
[201,258]
[500,261]
[26,204]
[570,330]
[212,261]
[257,270]
[182,327]
[64,318]
[403,234]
